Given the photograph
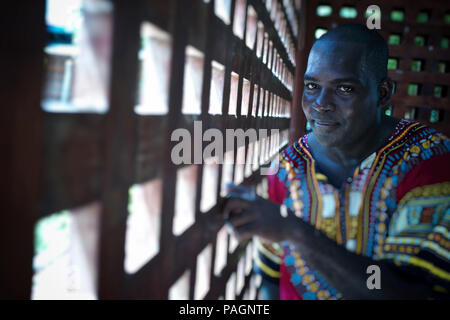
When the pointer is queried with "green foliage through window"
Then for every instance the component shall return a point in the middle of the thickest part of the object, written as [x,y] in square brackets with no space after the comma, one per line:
[423,16]
[397,15]
[348,12]
[51,239]
[447,18]
[434,116]
[388,111]
[413,89]
[410,113]
[419,41]
[437,91]
[324,10]
[394,39]
[416,65]
[319,32]
[392,64]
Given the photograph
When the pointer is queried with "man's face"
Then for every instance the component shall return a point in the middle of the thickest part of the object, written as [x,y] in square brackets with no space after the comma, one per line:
[339,97]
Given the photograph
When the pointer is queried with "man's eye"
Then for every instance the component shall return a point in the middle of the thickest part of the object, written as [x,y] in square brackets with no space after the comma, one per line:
[345,89]
[311,86]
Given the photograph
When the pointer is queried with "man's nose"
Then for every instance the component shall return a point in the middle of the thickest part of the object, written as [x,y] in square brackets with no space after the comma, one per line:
[324,102]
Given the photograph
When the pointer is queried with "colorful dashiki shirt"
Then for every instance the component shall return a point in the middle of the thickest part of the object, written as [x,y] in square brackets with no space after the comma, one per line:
[396,207]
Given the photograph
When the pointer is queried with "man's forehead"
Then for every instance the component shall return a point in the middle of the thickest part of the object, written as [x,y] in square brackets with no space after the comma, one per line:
[346,45]
[337,58]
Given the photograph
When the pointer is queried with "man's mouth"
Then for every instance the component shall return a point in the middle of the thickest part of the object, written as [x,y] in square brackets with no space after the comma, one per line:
[325,124]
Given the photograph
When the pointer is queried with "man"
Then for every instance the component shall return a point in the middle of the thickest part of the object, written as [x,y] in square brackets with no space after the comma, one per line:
[361,189]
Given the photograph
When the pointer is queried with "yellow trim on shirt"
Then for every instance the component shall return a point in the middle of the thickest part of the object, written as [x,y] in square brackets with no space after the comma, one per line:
[321,176]
[267,270]
[269,255]
[430,267]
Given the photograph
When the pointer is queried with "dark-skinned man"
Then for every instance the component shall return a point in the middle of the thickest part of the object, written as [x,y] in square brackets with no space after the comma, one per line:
[362,189]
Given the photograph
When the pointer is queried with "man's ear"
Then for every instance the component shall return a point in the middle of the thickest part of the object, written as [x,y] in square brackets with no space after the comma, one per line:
[385,92]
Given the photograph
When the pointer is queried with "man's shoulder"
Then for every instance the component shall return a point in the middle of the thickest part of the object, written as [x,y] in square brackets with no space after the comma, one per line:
[423,140]
[423,159]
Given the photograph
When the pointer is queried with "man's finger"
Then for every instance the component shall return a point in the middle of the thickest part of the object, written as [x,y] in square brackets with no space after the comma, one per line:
[234,205]
[241,218]
[246,231]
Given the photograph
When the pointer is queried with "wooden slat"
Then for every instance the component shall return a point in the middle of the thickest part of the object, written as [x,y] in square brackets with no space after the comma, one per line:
[21,55]
[419,77]
[423,101]
[73,157]
[120,138]
[182,15]
[269,27]
[298,120]
[290,28]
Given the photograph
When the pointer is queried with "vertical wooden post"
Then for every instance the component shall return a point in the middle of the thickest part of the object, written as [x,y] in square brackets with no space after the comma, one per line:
[305,40]
[120,150]
[21,62]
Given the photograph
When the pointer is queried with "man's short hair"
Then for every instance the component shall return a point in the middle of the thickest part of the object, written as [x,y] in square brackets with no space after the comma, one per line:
[377,50]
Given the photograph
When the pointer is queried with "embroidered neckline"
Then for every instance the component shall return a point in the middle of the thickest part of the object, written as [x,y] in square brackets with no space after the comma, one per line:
[367,162]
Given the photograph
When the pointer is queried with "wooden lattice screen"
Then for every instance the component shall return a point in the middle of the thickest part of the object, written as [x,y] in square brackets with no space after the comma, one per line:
[418,35]
[94,161]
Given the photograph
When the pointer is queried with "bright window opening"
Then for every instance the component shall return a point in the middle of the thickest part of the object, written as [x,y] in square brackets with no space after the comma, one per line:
[394,39]
[193,79]
[78,56]
[348,12]
[203,273]
[239,18]
[233,93]
[324,10]
[180,289]
[251,30]
[154,71]
[143,224]
[392,64]
[397,15]
[209,184]
[222,10]
[66,255]
[245,97]
[185,199]
[319,32]
[221,251]
[230,289]
[216,93]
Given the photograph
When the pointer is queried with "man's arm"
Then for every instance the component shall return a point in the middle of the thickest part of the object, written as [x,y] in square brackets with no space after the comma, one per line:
[342,269]
[347,271]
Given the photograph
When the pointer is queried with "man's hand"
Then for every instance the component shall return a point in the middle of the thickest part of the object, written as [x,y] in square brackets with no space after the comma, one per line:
[259,217]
